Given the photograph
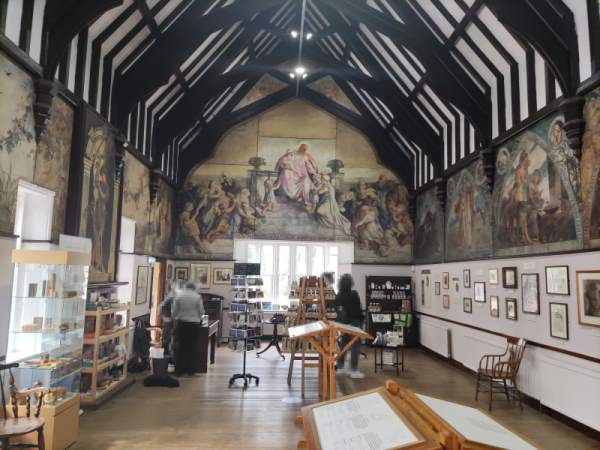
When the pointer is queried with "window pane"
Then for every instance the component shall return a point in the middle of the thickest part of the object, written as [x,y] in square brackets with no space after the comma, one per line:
[267,287]
[266,261]
[284,260]
[318,261]
[333,250]
[301,267]
[283,289]
[253,254]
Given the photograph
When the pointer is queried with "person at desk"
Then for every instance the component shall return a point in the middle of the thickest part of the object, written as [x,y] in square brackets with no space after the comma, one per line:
[349,311]
[187,311]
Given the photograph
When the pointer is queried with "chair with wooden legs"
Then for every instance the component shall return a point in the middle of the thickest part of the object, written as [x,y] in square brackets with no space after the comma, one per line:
[15,426]
[497,374]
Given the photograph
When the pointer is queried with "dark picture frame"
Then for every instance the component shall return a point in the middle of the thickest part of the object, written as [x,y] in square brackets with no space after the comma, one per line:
[446,280]
[468,305]
[564,280]
[446,301]
[494,306]
[477,295]
[510,274]
[588,283]
[555,317]
[511,311]
[141,285]
[438,290]
[530,301]
[169,271]
[182,273]
[467,278]
[222,275]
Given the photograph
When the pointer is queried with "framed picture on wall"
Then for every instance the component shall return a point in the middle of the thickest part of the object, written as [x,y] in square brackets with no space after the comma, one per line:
[530,293]
[479,291]
[511,308]
[201,275]
[588,298]
[509,277]
[222,276]
[493,276]
[557,280]
[141,285]
[468,305]
[182,273]
[169,271]
[559,320]
[467,278]
[494,306]
[437,288]
[446,280]
[446,301]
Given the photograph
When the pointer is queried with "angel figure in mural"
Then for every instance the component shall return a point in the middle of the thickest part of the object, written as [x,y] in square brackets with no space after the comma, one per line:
[189,225]
[327,210]
[245,213]
[296,170]
[465,212]
[521,197]
[269,202]
[367,228]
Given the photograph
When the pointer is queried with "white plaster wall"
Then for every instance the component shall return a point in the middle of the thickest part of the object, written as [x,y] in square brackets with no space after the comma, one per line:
[7,244]
[564,383]
[128,264]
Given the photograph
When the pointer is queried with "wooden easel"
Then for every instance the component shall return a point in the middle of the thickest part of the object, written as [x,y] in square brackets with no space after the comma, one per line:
[299,348]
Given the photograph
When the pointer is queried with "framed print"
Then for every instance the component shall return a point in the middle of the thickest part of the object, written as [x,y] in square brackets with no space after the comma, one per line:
[446,280]
[493,276]
[169,271]
[141,285]
[467,305]
[200,275]
[588,298]
[509,277]
[467,278]
[446,301]
[479,288]
[437,288]
[511,308]
[222,276]
[559,320]
[182,273]
[530,291]
[557,280]
[494,306]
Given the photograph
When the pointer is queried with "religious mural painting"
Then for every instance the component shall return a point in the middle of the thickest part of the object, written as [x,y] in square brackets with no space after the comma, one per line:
[161,220]
[468,215]
[429,240]
[330,89]
[136,200]
[267,85]
[53,159]
[535,200]
[590,170]
[295,189]
[99,196]
[17,137]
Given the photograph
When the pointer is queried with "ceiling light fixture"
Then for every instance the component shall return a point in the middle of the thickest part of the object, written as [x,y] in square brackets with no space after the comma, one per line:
[300,70]
[294,34]
[309,36]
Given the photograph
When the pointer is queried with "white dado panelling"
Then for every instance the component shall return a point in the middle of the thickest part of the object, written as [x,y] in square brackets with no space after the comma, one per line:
[434,336]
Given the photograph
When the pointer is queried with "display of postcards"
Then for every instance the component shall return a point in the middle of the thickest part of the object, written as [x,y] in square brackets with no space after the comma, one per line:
[381,318]
[251,294]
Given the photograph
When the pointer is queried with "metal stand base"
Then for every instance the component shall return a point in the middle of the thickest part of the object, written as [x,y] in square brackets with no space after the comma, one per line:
[247,377]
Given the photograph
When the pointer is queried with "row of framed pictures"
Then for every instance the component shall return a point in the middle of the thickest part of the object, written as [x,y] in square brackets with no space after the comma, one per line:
[201,274]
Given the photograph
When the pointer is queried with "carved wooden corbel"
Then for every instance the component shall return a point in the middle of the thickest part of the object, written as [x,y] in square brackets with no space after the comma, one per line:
[120,148]
[45,91]
[572,108]
[488,160]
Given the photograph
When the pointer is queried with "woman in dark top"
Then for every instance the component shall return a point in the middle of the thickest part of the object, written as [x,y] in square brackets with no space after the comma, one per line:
[349,311]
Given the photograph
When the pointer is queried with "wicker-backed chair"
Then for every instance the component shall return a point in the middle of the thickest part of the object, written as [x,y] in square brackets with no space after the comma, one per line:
[15,426]
[497,374]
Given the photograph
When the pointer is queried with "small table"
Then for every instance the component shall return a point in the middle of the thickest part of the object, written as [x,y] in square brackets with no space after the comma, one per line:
[398,361]
[206,334]
[274,338]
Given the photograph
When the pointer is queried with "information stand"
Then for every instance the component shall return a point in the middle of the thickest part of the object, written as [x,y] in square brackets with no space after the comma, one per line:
[393,417]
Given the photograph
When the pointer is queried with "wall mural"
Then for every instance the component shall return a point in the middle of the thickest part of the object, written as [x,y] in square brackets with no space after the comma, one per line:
[590,170]
[161,220]
[100,197]
[17,137]
[468,215]
[330,89]
[53,159]
[536,192]
[294,189]
[267,85]
[136,200]
[429,243]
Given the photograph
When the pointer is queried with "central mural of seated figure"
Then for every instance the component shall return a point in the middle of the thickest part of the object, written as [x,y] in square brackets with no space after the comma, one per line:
[294,189]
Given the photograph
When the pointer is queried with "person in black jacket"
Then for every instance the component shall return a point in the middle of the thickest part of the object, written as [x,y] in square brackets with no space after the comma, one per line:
[349,311]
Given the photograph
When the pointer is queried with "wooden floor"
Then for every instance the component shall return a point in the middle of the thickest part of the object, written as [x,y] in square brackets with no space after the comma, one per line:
[203,413]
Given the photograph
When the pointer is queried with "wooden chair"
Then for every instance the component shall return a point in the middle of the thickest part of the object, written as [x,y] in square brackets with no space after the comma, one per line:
[497,374]
[15,426]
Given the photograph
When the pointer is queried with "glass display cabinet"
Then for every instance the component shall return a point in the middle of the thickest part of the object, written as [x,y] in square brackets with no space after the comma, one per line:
[47,321]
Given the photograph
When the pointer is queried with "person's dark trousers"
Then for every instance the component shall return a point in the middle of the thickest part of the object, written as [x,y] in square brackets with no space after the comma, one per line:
[187,347]
[354,351]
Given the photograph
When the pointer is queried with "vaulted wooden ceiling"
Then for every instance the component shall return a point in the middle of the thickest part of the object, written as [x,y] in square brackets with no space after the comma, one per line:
[431,81]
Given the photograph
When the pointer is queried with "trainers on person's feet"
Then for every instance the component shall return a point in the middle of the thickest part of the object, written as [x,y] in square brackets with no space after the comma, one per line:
[357,375]
[342,371]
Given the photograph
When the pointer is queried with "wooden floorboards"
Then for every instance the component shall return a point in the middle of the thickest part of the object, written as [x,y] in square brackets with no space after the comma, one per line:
[203,413]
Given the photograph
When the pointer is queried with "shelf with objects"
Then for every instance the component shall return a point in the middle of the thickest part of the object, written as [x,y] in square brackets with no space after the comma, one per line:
[245,315]
[46,334]
[389,302]
[105,348]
